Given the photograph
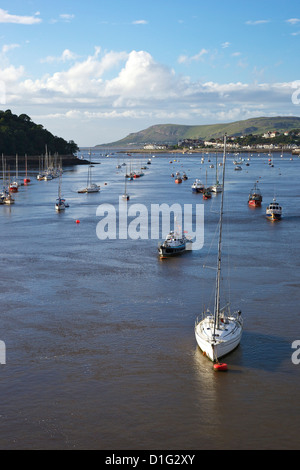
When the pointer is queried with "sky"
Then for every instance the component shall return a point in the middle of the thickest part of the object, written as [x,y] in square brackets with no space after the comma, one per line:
[95,71]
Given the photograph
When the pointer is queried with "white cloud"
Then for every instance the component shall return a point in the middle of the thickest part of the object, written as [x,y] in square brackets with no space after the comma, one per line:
[66,17]
[140,22]
[133,86]
[9,47]
[293,20]
[65,56]
[250,22]
[225,45]
[6,17]
[182,59]
[11,74]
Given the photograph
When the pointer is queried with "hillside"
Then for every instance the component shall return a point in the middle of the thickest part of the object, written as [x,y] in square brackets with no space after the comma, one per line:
[171,133]
[19,134]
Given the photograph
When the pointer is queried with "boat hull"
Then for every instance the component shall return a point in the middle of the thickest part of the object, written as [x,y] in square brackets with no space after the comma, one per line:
[254,203]
[197,190]
[167,251]
[273,216]
[227,337]
[216,189]
[89,190]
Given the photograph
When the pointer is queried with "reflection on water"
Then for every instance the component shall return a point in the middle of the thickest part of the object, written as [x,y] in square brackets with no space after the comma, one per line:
[101,352]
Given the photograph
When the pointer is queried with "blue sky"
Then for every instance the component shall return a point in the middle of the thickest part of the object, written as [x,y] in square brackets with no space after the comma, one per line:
[98,70]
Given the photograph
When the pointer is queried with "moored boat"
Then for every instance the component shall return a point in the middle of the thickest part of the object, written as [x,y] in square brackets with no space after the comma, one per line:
[197,186]
[26,179]
[219,332]
[274,210]
[174,244]
[91,187]
[255,197]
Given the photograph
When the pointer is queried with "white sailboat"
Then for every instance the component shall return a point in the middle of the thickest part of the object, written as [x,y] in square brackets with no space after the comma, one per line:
[218,333]
[60,203]
[217,187]
[91,187]
[125,195]
[14,186]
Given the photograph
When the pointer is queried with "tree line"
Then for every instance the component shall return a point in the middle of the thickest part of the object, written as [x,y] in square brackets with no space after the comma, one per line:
[20,135]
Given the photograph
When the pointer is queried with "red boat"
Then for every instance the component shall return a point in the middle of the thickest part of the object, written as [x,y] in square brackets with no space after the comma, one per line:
[178,178]
[13,188]
[255,197]
[206,194]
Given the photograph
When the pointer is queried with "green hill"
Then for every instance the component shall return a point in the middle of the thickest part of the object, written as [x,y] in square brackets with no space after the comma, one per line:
[19,134]
[171,133]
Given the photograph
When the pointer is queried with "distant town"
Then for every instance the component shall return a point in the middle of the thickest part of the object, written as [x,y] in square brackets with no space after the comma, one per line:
[269,141]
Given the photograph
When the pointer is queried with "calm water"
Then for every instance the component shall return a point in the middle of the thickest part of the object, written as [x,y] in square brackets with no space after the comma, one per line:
[101,352]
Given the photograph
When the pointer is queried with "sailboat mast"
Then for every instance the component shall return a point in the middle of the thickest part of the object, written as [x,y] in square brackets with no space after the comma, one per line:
[217,298]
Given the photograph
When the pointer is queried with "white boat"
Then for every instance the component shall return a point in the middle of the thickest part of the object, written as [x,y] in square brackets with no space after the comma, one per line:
[175,244]
[217,187]
[238,168]
[14,186]
[197,186]
[274,211]
[60,203]
[125,195]
[218,333]
[7,198]
[91,187]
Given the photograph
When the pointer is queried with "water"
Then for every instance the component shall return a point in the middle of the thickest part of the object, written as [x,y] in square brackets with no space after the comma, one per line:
[100,345]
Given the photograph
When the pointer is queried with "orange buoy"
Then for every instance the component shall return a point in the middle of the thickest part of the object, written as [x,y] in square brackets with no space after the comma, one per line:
[221,367]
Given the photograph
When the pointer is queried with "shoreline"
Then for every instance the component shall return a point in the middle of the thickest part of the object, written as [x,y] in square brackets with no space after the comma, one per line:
[34,161]
[207,150]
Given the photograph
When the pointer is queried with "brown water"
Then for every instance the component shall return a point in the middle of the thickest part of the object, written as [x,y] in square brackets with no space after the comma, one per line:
[101,352]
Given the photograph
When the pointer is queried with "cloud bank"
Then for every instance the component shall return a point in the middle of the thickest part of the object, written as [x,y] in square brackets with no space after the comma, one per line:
[133,86]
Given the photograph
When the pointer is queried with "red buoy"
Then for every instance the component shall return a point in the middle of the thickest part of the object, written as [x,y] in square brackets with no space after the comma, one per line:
[77,221]
[221,367]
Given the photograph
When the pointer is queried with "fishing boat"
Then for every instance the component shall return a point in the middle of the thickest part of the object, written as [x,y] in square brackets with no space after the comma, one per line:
[91,187]
[219,332]
[176,243]
[274,210]
[197,186]
[255,197]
